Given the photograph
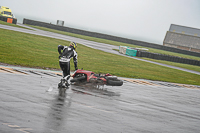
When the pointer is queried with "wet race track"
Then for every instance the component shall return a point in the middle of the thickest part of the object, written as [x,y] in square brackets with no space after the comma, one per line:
[29,103]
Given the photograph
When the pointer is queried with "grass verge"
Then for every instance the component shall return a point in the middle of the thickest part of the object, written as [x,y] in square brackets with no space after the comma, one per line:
[37,51]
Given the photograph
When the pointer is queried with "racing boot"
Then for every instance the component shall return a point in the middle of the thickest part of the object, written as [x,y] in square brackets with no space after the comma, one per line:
[67,82]
[62,83]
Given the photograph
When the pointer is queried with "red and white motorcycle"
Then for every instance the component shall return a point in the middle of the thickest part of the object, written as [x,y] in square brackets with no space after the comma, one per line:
[84,76]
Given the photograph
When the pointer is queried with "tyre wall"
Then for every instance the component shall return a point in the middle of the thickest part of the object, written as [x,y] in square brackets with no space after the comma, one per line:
[109,37]
[167,58]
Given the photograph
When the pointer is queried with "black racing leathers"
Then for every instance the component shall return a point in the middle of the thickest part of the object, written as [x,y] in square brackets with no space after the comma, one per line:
[66,53]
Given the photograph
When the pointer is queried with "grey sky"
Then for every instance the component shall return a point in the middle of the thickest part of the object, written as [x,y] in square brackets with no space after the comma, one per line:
[144,20]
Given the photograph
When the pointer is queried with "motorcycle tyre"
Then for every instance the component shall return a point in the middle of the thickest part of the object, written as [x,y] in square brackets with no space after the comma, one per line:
[78,79]
[115,82]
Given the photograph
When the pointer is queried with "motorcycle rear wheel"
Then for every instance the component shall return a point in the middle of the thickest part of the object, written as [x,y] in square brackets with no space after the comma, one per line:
[115,82]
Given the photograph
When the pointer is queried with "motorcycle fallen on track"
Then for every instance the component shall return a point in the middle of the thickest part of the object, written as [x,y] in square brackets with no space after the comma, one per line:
[84,76]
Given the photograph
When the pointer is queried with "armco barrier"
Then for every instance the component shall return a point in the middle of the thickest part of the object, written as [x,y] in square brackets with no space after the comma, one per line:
[167,58]
[109,37]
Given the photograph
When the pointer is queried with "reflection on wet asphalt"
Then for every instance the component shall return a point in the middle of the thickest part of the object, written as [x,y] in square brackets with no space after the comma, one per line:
[56,118]
[29,103]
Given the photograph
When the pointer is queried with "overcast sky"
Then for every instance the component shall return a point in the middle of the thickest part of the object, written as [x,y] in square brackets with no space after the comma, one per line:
[144,20]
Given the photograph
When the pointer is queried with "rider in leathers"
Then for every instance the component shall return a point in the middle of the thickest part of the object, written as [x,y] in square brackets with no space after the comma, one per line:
[66,53]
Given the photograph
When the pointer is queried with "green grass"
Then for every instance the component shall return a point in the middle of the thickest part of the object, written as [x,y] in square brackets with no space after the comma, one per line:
[186,66]
[27,50]
[37,51]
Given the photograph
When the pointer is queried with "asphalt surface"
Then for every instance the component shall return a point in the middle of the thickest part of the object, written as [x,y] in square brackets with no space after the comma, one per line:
[30,103]
[100,46]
